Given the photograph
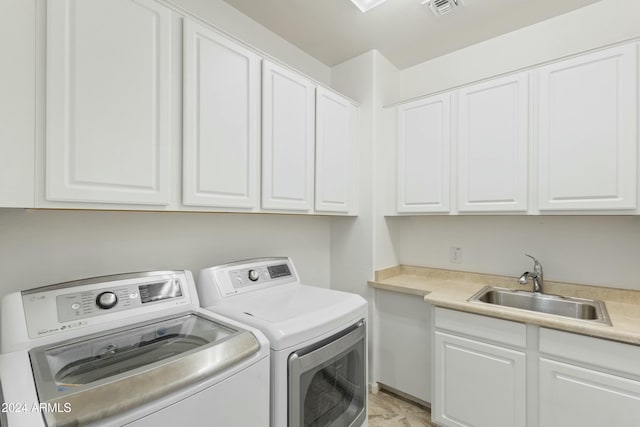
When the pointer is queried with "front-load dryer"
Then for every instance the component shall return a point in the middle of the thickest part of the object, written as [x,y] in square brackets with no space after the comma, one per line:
[318,339]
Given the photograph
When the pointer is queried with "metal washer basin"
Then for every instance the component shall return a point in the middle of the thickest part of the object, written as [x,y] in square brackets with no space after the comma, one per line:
[574,308]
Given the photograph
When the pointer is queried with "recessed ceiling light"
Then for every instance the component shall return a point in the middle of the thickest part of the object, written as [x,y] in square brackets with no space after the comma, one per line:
[365,5]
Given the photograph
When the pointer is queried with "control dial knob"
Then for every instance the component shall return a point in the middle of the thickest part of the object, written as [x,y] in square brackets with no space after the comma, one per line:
[106,300]
[253,275]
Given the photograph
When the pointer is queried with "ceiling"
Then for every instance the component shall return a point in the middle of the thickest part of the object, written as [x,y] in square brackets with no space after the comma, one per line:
[404,31]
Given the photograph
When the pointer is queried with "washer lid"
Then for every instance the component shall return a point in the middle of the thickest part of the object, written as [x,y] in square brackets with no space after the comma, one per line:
[114,372]
[291,314]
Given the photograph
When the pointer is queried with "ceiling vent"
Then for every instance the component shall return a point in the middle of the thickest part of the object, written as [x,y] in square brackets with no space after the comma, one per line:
[440,7]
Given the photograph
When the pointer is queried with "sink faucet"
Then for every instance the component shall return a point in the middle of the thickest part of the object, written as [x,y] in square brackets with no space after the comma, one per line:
[536,276]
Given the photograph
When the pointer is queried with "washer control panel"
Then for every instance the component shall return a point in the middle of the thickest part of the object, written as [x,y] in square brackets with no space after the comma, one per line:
[78,305]
[58,308]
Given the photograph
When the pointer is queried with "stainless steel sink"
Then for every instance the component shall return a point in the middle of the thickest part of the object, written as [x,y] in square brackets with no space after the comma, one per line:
[575,308]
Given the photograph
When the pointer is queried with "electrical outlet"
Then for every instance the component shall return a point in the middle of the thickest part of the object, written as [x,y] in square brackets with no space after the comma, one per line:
[455,255]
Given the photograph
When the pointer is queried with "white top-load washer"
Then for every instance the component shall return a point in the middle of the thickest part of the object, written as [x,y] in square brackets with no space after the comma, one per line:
[132,349]
[317,336]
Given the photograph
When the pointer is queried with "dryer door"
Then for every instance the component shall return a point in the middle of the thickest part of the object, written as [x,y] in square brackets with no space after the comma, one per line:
[327,381]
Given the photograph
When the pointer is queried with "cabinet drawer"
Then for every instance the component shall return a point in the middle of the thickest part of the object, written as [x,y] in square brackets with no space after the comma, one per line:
[593,351]
[575,396]
[496,330]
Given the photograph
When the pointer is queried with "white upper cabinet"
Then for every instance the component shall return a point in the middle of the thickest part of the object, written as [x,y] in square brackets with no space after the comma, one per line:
[493,145]
[288,114]
[336,145]
[423,155]
[587,132]
[221,145]
[17,104]
[108,102]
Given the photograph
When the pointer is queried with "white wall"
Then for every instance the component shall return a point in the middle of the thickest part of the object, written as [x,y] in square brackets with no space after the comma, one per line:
[384,129]
[365,242]
[44,247]
[598,250]
[352,238]
[240,26]
[593,26]
[369,79]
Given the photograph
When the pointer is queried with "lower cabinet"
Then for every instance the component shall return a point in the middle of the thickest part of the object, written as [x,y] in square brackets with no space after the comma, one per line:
[478,382]
[404,343]
[572,395]
[482,377]
[587,382]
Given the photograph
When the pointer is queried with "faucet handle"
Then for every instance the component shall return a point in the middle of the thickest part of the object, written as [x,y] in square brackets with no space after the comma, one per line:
[537,267]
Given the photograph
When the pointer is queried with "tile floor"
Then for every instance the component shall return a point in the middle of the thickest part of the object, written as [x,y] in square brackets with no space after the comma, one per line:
[389,410]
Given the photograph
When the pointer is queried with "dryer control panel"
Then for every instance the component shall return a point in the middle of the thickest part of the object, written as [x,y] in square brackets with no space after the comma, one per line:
[244,276]
[253,275]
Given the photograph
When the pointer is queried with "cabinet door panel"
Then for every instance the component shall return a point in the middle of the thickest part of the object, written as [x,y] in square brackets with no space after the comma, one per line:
[336,167]
[588,131]
[492,149]
[570,395]
[17,104]
[405,343]
[423,155]
[478,384]
[108,101]
[288,116]
[221,121]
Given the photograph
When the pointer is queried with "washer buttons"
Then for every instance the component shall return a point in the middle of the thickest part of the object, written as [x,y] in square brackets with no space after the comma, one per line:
[106,300]
[75,306]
